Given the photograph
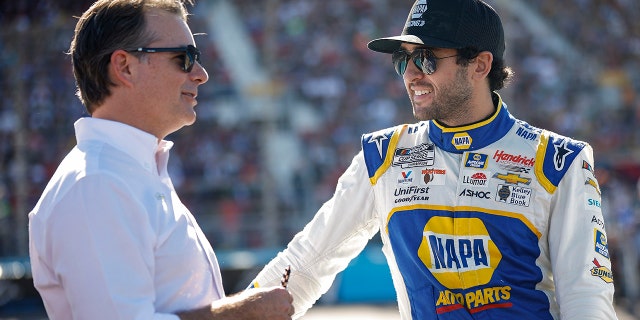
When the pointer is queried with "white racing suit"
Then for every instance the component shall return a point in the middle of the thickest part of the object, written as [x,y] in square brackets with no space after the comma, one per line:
[494,220]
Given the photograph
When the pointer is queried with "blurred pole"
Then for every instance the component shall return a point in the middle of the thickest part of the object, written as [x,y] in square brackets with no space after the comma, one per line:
[250,74]
[22,33]
[271,214]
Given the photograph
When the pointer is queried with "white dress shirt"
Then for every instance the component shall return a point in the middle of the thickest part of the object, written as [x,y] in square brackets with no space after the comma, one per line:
[110,239]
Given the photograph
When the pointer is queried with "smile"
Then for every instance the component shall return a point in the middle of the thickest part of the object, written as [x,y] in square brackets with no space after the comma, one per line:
[421,92]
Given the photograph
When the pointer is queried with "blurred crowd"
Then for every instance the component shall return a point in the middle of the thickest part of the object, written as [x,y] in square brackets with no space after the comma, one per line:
[330,89]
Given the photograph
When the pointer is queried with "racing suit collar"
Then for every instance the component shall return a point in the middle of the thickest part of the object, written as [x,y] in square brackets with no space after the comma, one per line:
[474,136]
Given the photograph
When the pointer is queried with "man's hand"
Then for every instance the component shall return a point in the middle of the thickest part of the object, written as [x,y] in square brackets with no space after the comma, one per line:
[272,303]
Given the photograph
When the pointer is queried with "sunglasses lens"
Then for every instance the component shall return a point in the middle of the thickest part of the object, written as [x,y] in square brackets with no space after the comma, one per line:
[399,59]
[191,56]
[424,60]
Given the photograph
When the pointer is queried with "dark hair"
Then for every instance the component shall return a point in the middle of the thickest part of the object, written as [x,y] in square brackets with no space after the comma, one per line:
[499,76]
[109,25]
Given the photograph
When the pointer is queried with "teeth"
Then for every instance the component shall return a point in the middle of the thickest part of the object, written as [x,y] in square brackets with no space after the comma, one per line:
[421,92]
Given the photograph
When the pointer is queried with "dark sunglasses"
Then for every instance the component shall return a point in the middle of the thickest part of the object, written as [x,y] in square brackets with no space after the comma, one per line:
[423,58]
[191,54]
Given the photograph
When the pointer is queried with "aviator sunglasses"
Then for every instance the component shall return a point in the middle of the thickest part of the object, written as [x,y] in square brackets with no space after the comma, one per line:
[423,58]
[191,54]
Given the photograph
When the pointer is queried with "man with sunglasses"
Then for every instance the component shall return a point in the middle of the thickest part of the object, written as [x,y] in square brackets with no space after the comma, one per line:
[481,215]
[109,238]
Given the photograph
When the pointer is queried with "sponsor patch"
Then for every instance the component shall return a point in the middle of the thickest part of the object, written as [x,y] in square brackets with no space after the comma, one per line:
[512,178]
[593,183]
[461,140]
[474,301]
[560,154]
[411,194]
[592,204]
[587,166]
[515,195]
[422,155]
[601,272]
[504,158]
[451,256]
[405,177]
[475,194]
[597,221]
[600,240]
[476,160]
[474,178]
[435,177]
[526,134]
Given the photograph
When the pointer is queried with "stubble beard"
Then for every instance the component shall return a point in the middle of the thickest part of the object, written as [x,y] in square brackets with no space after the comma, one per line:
[450,105]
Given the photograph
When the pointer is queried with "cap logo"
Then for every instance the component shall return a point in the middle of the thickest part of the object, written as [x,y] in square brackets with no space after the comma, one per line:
[418,10]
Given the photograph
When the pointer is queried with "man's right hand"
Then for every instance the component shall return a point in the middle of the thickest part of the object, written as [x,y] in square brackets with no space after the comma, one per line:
[271,303]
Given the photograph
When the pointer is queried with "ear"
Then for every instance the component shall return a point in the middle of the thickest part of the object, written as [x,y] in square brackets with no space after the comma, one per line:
[121,68]
[483,65]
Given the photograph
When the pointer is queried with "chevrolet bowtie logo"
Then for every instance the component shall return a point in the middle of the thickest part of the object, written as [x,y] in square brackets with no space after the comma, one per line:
[512,178]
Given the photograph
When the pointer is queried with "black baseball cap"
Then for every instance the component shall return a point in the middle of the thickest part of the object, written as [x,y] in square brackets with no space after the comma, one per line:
[448,24]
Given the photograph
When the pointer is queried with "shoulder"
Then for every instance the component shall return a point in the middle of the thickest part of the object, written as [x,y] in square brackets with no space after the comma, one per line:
[378,147]
[555,155]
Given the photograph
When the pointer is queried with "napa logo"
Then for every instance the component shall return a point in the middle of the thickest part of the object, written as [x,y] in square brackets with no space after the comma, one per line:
[460,261]
[601,244]
[461,140]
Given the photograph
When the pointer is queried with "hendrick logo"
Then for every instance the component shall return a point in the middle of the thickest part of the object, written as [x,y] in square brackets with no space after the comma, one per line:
[502,157]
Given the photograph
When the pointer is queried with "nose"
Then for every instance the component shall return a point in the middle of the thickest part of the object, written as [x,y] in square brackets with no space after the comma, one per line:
[199,73]
[412,71]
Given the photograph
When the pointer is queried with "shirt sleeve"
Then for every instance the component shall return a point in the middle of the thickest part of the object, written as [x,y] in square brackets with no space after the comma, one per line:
[577,245]
[338,233]
[101,249]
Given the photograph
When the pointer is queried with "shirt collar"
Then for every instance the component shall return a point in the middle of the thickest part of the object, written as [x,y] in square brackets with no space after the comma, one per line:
[140,145]
[474,136]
